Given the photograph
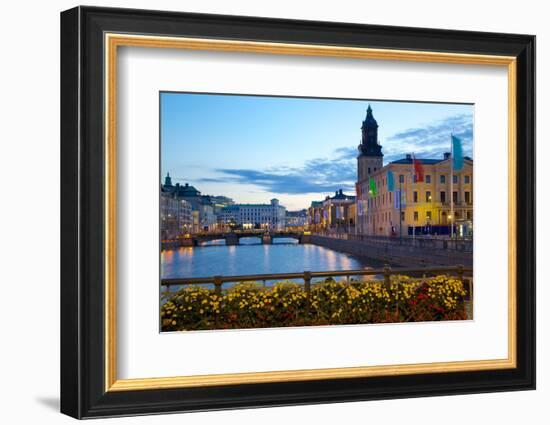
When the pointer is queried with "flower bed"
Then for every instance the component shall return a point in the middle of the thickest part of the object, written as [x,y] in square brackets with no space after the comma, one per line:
[250,305]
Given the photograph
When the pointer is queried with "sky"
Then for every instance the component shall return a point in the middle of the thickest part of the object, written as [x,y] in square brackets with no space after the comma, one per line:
[298,150]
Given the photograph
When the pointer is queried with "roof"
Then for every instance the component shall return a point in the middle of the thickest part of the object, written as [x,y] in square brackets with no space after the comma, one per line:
[339,194]
[237,206]
[421,160]
[342,196]
[427,161]
[187,189]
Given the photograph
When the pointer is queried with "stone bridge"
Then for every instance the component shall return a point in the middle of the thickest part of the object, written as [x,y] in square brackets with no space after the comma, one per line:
[234,238]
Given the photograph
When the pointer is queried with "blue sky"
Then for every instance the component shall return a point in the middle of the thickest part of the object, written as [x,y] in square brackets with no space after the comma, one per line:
[254,148]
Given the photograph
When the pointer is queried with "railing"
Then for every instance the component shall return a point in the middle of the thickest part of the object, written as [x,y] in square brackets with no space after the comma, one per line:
[419,241]
[307,276]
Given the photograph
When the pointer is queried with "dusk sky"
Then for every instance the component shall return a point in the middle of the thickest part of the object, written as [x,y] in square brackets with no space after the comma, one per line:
[297,150]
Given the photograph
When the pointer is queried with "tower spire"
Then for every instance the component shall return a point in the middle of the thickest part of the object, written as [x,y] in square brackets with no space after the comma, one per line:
[369,141]
[168,180]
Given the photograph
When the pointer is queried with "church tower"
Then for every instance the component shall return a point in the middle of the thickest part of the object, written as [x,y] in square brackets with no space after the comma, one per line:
[168,180]
[370,151]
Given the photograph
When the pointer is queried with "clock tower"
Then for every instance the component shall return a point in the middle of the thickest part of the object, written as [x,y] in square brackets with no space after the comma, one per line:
[370,151]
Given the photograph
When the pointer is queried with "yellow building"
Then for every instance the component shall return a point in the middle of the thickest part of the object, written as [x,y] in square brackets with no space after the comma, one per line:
[423,207]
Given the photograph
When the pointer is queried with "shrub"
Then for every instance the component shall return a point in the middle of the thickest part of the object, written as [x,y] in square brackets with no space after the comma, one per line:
[251,305]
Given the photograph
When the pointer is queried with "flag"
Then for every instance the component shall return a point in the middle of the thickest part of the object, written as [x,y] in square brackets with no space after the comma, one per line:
[458,155]
[357,190]
[396,196]
[390,181]
[418,170]
[400,196]
[372,187]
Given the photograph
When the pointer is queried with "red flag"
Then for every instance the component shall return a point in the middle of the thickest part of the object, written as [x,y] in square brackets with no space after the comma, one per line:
[418,170]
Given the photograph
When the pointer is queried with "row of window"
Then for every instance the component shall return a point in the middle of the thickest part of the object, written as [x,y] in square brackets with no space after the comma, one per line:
[442,196]
[442,178]
[387,198]
[428,179]
[386,216]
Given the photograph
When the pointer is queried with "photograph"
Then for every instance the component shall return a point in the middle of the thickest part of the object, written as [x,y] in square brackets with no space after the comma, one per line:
[278,210]
[281,211]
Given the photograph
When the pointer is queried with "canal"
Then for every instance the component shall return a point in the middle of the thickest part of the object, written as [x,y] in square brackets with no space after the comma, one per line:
[251,257]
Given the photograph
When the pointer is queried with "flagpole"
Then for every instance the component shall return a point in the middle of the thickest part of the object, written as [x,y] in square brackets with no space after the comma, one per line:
[400,220]
[412,193]
[452,190]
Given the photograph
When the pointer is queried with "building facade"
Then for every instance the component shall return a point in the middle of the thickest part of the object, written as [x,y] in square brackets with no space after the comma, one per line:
[334,214]
[205,208]
[413,207]
[175,216]
[270,216]
[296,220]
[339,212]
[315,216]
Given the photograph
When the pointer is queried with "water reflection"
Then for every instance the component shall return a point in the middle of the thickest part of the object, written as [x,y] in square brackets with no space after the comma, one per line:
[253,257]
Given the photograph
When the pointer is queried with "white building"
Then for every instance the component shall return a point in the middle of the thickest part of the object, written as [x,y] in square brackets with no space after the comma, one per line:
[270,216]
[296,219]
[175,216]
[208,220]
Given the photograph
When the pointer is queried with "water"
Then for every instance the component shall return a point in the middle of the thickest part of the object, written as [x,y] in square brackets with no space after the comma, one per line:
[251,257]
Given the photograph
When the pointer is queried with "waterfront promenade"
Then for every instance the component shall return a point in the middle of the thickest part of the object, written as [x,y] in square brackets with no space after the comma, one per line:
[404,252]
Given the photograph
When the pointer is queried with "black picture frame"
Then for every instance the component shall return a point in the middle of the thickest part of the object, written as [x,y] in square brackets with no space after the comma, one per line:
[83,392]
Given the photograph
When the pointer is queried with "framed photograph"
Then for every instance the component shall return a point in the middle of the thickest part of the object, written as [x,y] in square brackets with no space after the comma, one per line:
[261,212]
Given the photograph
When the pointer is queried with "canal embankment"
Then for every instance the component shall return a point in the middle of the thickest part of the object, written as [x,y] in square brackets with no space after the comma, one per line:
[404,253]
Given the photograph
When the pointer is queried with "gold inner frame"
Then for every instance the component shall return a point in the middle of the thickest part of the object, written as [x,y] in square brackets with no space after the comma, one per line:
[113,41]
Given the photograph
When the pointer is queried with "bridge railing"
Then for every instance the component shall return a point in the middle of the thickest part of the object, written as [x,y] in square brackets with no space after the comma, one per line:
[307,276]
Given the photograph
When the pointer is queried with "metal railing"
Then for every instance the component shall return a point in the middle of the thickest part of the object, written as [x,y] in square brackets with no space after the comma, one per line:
[438,243]
[307,276]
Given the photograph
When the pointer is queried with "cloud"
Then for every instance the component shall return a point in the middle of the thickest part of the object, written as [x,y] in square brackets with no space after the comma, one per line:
[326,175]
[430,141]
[319,175]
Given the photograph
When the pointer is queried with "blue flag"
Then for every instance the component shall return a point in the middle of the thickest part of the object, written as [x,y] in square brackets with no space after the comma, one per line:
[458,155]
[390,181]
